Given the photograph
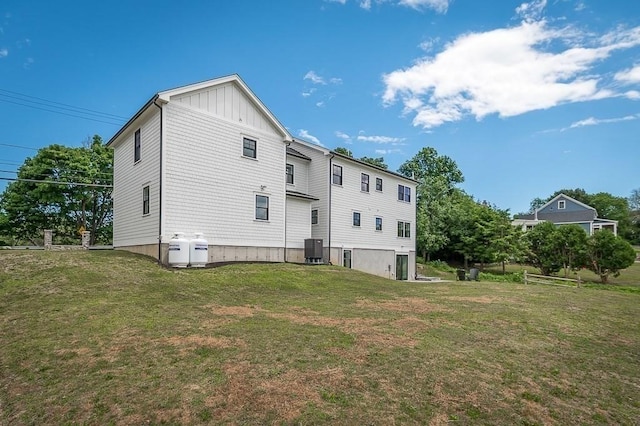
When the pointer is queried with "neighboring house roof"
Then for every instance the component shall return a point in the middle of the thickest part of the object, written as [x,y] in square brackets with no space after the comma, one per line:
[302,195]
[164,97]
[561,195]
[291,151]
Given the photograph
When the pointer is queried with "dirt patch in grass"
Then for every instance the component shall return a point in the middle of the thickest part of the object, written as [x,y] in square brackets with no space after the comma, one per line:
[203,341]
[414,305]
[234,311]
[478,299]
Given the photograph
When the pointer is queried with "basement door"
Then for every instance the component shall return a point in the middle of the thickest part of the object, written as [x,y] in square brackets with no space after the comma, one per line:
[402,266]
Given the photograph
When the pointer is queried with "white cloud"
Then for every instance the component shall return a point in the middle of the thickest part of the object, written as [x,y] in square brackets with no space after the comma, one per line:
[427,45]
[308,92]
[592,121]
[380,139]
[315,78]
[345,137]
[4,53]
[531,11]
[631,75]
[506,71]
[633,95]
[335,80]
[309,137]
[320,104]
[27,64]
[580,6]
[387,151]
[439,6]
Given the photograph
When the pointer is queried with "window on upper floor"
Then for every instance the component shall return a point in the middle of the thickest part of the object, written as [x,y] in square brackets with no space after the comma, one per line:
[145,200]
[364,182]
[356,218]
[378,224]
[378,184]
[262,207]
[404,229]
[561,205]
[249,148]
[290,174]
[136,146]
[337,174]
[314,216]
[404,193]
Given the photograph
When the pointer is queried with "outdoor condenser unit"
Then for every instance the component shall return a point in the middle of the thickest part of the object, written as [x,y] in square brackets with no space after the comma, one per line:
[313,250]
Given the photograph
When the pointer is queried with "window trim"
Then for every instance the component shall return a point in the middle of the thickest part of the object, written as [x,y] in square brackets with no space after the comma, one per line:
[353,219]
[562,205]
[378,220]
[379,181]
[334,175]
[137,147]
[406,193]
[254,150]
[146,200]
[316,217]
[364,182]
[265,209]
[404,229]
[289,165]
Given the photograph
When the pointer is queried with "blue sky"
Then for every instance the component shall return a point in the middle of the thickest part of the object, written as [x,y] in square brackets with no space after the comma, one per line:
[527,98]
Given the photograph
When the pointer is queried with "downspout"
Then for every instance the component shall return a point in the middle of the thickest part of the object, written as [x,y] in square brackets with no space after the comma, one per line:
[329,215]
[287,143]
[160,191]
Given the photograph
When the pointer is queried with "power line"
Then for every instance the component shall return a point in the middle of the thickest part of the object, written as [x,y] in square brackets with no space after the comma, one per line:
[62,113]
[57,183]
[18,146]
[91,175]
[59,103]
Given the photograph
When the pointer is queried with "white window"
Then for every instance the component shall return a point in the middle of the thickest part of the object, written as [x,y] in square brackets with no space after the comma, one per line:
[145,200]
[290,174]
[364,182]
[378,224]
[337,174]
[561,205]
[136,146]
[249,148]
[404,229]
[314,216]
[262,207]
[378,184]
[404,193]
[356,218]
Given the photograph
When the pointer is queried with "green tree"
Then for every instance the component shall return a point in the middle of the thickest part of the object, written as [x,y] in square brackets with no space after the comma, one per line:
[63,189]
[543,248]
[609,254]
[437,176]
[571,244]
[344,151]
[378,162]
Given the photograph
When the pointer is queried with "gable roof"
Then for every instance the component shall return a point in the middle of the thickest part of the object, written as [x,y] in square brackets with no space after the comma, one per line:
[164,97]
[293,152]
[561,195]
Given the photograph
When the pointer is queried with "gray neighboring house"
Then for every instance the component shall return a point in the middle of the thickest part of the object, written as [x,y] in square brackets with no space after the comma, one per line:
[564,210]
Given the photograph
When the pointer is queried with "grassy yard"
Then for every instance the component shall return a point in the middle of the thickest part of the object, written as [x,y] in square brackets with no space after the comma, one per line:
[109,337]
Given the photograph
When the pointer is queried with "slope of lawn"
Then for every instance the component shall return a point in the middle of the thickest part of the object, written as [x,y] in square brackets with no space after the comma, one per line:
[111,338]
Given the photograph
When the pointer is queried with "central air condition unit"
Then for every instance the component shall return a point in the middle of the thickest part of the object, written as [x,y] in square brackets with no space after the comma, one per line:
[313,250]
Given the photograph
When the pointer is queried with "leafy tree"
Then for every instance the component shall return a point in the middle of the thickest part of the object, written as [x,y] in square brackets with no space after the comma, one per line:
[609,254]
[344,151]
[543,248]
[571,244]
[634,213]
[378,162]
[40,200]
[437,176]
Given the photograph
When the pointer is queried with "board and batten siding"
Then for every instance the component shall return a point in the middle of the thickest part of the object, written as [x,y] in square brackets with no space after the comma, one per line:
[318,185]
[227,101]
[130,226]
[348,198]
[211,188]
[298,222]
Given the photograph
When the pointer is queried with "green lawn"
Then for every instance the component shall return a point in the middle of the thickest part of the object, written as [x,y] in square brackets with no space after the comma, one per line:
[109,337]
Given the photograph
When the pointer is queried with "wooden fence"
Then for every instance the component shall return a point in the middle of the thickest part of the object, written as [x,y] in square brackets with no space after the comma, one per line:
[545,279]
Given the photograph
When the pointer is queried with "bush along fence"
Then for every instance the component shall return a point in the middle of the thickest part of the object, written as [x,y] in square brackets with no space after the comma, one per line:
[545,279]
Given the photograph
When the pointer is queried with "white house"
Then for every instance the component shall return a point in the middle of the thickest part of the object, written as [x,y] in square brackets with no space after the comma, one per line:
[210,157]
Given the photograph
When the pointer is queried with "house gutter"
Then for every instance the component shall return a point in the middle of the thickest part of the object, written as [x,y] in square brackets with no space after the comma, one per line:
[329,215]
[160,189]
[286,144]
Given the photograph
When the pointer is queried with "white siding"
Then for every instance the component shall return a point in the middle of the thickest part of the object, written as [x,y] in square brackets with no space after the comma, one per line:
[130,226]
[349,198]
[300,174]
[228,101]
[298,222]
[210,187]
